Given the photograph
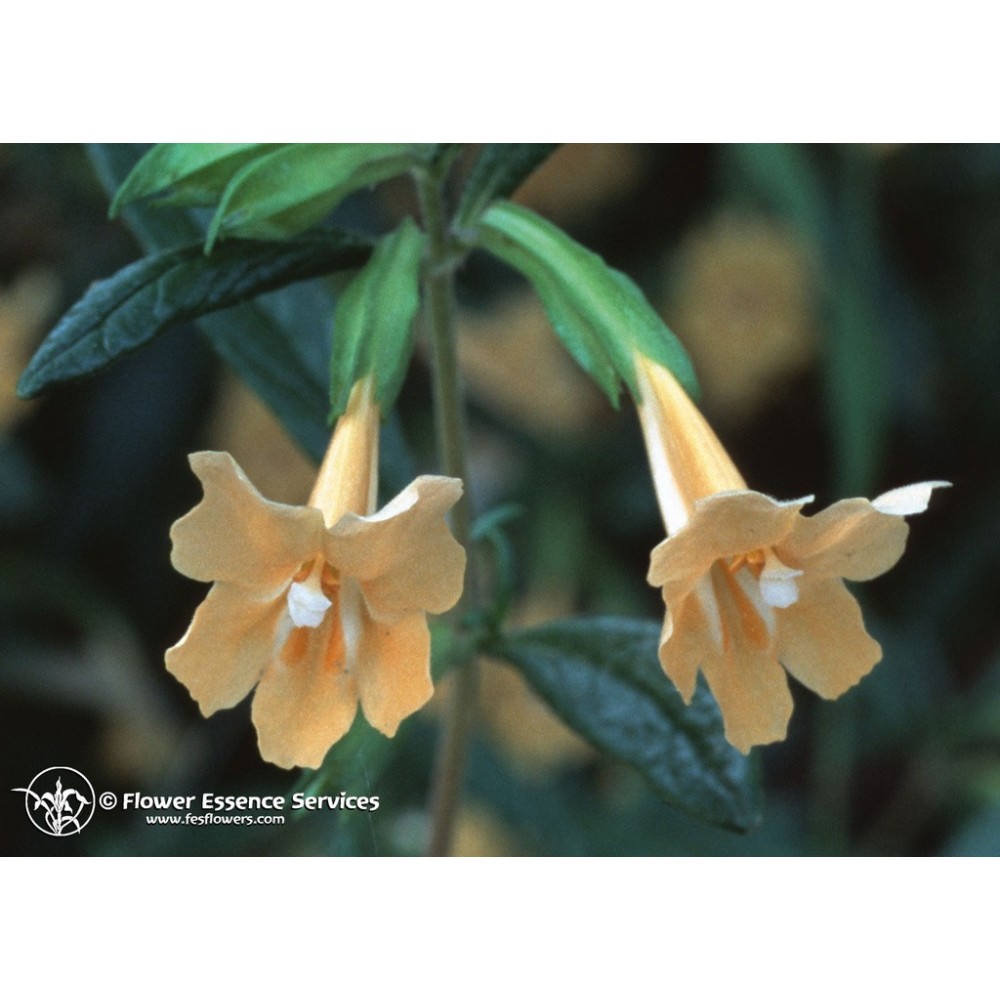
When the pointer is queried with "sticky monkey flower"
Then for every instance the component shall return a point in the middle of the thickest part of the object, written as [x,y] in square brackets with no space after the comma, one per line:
[319,607]
[751,584]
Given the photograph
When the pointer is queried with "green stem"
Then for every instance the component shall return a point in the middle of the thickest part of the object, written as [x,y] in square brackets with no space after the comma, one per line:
[439,319]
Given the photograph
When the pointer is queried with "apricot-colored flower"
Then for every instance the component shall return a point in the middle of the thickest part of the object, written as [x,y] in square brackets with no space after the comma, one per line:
[750,583]
[320,607]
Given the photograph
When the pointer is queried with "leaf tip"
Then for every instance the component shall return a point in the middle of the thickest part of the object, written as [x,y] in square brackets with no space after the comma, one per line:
[122,197]
[29,385]
[214,231]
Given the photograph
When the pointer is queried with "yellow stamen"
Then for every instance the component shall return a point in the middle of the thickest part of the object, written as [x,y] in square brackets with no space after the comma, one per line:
[754,559]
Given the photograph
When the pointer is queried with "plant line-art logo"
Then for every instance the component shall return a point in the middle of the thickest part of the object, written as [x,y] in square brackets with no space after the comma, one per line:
[56,808]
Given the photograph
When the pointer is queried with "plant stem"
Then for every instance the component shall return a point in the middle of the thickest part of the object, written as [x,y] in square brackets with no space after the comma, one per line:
[439,319]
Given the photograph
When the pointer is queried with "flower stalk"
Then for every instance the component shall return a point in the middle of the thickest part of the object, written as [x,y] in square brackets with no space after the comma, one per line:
[439,322]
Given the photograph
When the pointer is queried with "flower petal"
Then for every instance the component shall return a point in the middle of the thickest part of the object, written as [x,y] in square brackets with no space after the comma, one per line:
[822,639]
[235,535]
[912,499]
[722,525]
[752,692]
[850,539]
[404,557]
[227,646]
[687,460]
[394,670]
[684,641]
[305,700]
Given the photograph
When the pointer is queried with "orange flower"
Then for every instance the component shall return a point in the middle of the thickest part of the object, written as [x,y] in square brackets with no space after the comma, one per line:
[750,583]
[320,606]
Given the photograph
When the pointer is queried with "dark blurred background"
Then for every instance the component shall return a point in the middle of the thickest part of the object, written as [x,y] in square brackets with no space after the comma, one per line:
[842,308]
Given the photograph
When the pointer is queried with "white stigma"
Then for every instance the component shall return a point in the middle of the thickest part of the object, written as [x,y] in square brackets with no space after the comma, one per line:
[777,582]
[306,606]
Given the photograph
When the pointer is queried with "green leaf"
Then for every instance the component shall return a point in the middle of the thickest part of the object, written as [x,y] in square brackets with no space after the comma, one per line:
[489,527]
[353,764]
[198,172]
[295,187]
[603,678]
[277,343]
[125,311]
[599,313]
[498,172]
[373,324]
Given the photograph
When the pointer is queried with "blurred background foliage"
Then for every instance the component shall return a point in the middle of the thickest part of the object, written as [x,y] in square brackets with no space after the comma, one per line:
[842,308]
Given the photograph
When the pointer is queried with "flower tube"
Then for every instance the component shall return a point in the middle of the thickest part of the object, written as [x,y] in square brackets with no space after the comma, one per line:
[750,584]
[317,608]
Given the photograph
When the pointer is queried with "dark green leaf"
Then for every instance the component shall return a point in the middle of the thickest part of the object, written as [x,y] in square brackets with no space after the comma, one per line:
[353,764]
[295,187]
[258,344]
[599,313]
[603,678]
[489,527]
[498,172]
[157,292]
[277,343]
[373,324]
[198,172]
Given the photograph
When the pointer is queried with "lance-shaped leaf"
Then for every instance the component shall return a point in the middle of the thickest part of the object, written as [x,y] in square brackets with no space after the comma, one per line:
[191,173]
[268,340]
[373,322]
[296,186]
[603,678]
[498,172]
[125,311]
[599,313]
